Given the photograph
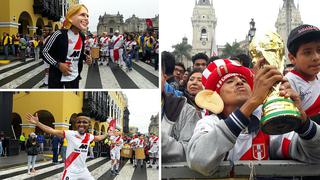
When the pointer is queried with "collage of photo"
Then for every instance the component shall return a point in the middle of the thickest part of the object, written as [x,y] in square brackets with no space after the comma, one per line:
[87,92]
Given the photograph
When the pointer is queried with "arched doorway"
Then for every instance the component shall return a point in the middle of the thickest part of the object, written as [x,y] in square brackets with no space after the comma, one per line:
[96,129]
[15,124]
[39,25]
[72,122]
[46,118]
[25,21]
[103,129]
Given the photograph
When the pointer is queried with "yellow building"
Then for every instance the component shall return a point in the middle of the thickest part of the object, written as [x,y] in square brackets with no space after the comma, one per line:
[29,16]
[58,109]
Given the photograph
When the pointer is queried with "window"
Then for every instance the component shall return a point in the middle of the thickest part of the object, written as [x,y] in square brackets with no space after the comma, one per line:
[203,35]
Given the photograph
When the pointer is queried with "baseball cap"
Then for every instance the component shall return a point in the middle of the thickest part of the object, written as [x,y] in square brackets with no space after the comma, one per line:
[302,31]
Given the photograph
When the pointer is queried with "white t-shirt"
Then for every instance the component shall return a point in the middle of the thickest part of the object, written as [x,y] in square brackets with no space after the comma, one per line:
[77,150]
[130,44]
[73,56]
[139,143]
[308,90]
[118,142]
[93,42]
[105,43]
[154,144]
[117,41]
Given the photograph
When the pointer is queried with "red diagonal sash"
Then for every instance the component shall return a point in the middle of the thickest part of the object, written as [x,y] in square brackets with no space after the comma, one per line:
[115,42]
[105,40]
[73,156]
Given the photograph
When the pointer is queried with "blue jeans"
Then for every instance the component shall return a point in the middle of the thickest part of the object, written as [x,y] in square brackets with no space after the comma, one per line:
[129,60]
[55,155]
[6,51]
[1,149]
[13,49]
[137,54]
[63,153]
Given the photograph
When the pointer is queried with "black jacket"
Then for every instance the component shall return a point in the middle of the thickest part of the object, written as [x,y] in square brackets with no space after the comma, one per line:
[32,146]
[55,51]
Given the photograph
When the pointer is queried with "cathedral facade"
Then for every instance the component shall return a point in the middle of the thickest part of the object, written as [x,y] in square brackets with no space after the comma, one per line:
[204,24]
[288,18]
[112,22]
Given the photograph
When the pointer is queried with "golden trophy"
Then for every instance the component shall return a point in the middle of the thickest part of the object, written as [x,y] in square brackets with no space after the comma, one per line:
[279,114]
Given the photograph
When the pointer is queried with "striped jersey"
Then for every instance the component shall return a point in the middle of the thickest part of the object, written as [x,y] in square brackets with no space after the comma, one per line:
[77,151]
[309,92]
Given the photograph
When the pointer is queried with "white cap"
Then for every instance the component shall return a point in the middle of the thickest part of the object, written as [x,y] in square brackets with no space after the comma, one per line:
[117,31]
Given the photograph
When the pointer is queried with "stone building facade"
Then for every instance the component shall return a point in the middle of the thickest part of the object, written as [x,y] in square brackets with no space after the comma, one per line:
[112,22]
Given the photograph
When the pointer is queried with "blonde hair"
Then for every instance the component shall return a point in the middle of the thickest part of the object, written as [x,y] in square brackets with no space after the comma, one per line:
[71,12]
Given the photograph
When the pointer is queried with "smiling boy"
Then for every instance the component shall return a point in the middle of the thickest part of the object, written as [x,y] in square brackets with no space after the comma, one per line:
[304,53]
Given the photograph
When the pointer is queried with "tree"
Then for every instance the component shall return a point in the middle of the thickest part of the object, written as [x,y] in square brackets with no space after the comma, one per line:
[232,50]
[182,50]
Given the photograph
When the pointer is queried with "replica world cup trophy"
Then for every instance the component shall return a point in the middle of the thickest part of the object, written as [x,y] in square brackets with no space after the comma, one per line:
[279,114]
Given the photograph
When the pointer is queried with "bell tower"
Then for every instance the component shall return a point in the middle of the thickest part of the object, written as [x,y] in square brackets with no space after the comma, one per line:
[288,18]
[204,24]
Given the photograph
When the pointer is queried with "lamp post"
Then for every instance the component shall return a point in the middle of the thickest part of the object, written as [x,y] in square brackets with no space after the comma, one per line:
[252,30]
[250,35]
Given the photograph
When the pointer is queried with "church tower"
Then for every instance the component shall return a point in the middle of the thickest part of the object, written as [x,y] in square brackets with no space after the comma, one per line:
[288,18]
[204,24]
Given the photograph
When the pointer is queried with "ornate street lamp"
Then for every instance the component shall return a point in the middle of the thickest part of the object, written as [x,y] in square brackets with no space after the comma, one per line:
[252,30]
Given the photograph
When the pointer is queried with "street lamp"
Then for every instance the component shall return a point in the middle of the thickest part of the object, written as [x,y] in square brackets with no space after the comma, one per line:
[252,30]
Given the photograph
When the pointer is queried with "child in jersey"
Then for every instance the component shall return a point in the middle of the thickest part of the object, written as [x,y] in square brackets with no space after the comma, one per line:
[304,53]
[77,148]
[116,145]
[153,151]
[64,50]
[140,143]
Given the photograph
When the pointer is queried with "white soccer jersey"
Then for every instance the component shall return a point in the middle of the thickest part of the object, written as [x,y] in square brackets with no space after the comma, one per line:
[117,142]
[139,143]
[73,56]
[154,144]
[117,41]
[130,44]
[105,42]
[77,151]
[309,92]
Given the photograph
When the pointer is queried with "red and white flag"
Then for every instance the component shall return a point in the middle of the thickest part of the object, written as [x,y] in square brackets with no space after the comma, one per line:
[149,23]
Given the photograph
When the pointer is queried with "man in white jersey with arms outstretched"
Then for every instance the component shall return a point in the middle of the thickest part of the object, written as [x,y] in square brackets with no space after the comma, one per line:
[78,145]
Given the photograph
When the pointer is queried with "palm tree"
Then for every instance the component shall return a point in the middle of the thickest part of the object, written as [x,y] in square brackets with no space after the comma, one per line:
[182,50]
[232,50]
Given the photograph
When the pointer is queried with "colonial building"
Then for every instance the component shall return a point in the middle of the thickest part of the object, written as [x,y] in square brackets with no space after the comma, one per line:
[29,16]
[288,18]
[112,22]
[154,125]
[204,24]
[58,109]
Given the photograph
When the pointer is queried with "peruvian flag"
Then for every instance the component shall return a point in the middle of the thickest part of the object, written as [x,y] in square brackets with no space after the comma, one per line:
[149,23]
[112,123]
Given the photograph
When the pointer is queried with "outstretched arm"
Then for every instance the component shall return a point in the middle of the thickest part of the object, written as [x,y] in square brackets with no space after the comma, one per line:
[100,137]
[35,120]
